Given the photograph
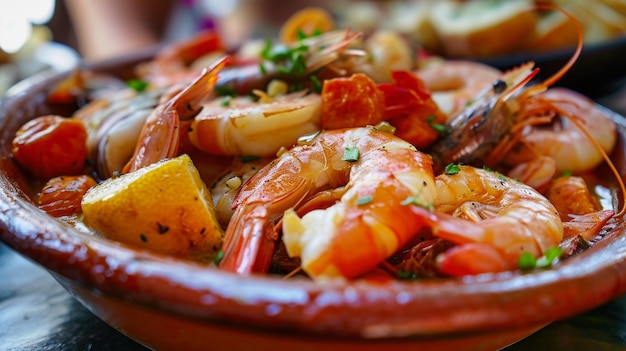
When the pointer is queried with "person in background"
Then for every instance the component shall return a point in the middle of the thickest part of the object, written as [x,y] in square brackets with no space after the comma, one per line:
[111,28]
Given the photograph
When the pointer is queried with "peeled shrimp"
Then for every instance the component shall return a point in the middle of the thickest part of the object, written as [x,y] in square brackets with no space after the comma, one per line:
[496,219]
[244,127]
[371,172]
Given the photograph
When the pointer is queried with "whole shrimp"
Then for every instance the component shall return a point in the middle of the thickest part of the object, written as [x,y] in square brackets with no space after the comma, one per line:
[160,136]
[495,220]
[454,83]
[491,122]
[563,140]
[504,118]
[161,133]
[372,173]
[505,124]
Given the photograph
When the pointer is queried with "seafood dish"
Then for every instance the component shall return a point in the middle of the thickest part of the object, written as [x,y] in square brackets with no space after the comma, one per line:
[352,147]
[328,155]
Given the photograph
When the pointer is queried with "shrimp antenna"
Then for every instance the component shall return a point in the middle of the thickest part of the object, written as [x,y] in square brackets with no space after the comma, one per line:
[558,75]
[579,46]
[550,81]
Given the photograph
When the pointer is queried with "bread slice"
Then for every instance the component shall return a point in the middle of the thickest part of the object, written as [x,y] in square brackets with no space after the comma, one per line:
[554,31]
[483,28]
[413,19]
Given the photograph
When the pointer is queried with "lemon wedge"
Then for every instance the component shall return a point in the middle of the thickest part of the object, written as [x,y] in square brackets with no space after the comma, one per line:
[164,207]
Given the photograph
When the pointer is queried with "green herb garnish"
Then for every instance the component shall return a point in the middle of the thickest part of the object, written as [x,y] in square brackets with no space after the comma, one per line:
[413,200]
[226,101]
[218,257]
[317,85]
[287,60]
[452,169]
[527,261]
[364,200]
[439,128]
[351,154]
[137,85]
[405,275]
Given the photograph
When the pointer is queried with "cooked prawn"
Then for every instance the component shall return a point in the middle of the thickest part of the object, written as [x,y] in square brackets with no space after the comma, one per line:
[160,134]
[494,125]
[563,140]
[580,211]
[496,219]
[245,127]
[113,125]
[455,83]
[372,172]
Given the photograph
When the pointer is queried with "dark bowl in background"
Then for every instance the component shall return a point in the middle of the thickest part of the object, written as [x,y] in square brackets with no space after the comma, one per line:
[600,69]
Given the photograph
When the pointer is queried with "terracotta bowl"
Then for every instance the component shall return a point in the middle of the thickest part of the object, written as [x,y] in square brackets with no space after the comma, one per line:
[170,304]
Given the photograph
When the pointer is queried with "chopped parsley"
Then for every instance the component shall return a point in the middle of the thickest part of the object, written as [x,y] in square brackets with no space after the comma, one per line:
[137,85]
[527,261]
[364,200]
[302,35]
[317,85]
[567,174]
[225,90]
[405,275]
[288,60]
[226,101]
[439,128]
[413,200]
[452,169]
[351,154]
[218,257]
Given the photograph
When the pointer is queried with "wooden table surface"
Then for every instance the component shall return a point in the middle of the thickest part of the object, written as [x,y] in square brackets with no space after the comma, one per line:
[36,313]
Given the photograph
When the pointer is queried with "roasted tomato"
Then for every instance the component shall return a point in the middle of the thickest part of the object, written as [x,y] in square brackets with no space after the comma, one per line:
[51,146]
[351,102]
[411,109]
[61,196]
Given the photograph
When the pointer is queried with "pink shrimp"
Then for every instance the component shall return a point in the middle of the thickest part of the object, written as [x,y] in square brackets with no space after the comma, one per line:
[494,221]
[160,135]
[373,173]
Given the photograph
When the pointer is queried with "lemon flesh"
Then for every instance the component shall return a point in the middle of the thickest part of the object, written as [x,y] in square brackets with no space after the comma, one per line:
[164,207]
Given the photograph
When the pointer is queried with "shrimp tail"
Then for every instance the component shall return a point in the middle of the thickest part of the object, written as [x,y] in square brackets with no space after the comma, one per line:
[250,241]
[472,259]
[468,257]
[160,135]
[587,226]
[331,47]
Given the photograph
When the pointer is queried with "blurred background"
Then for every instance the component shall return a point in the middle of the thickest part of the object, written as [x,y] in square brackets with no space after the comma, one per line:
[40,34]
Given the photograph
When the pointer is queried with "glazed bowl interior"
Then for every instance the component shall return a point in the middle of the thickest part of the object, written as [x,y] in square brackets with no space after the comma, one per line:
[103,274]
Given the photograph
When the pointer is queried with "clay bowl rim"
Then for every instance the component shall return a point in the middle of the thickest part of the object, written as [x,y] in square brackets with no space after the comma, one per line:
[399,309]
